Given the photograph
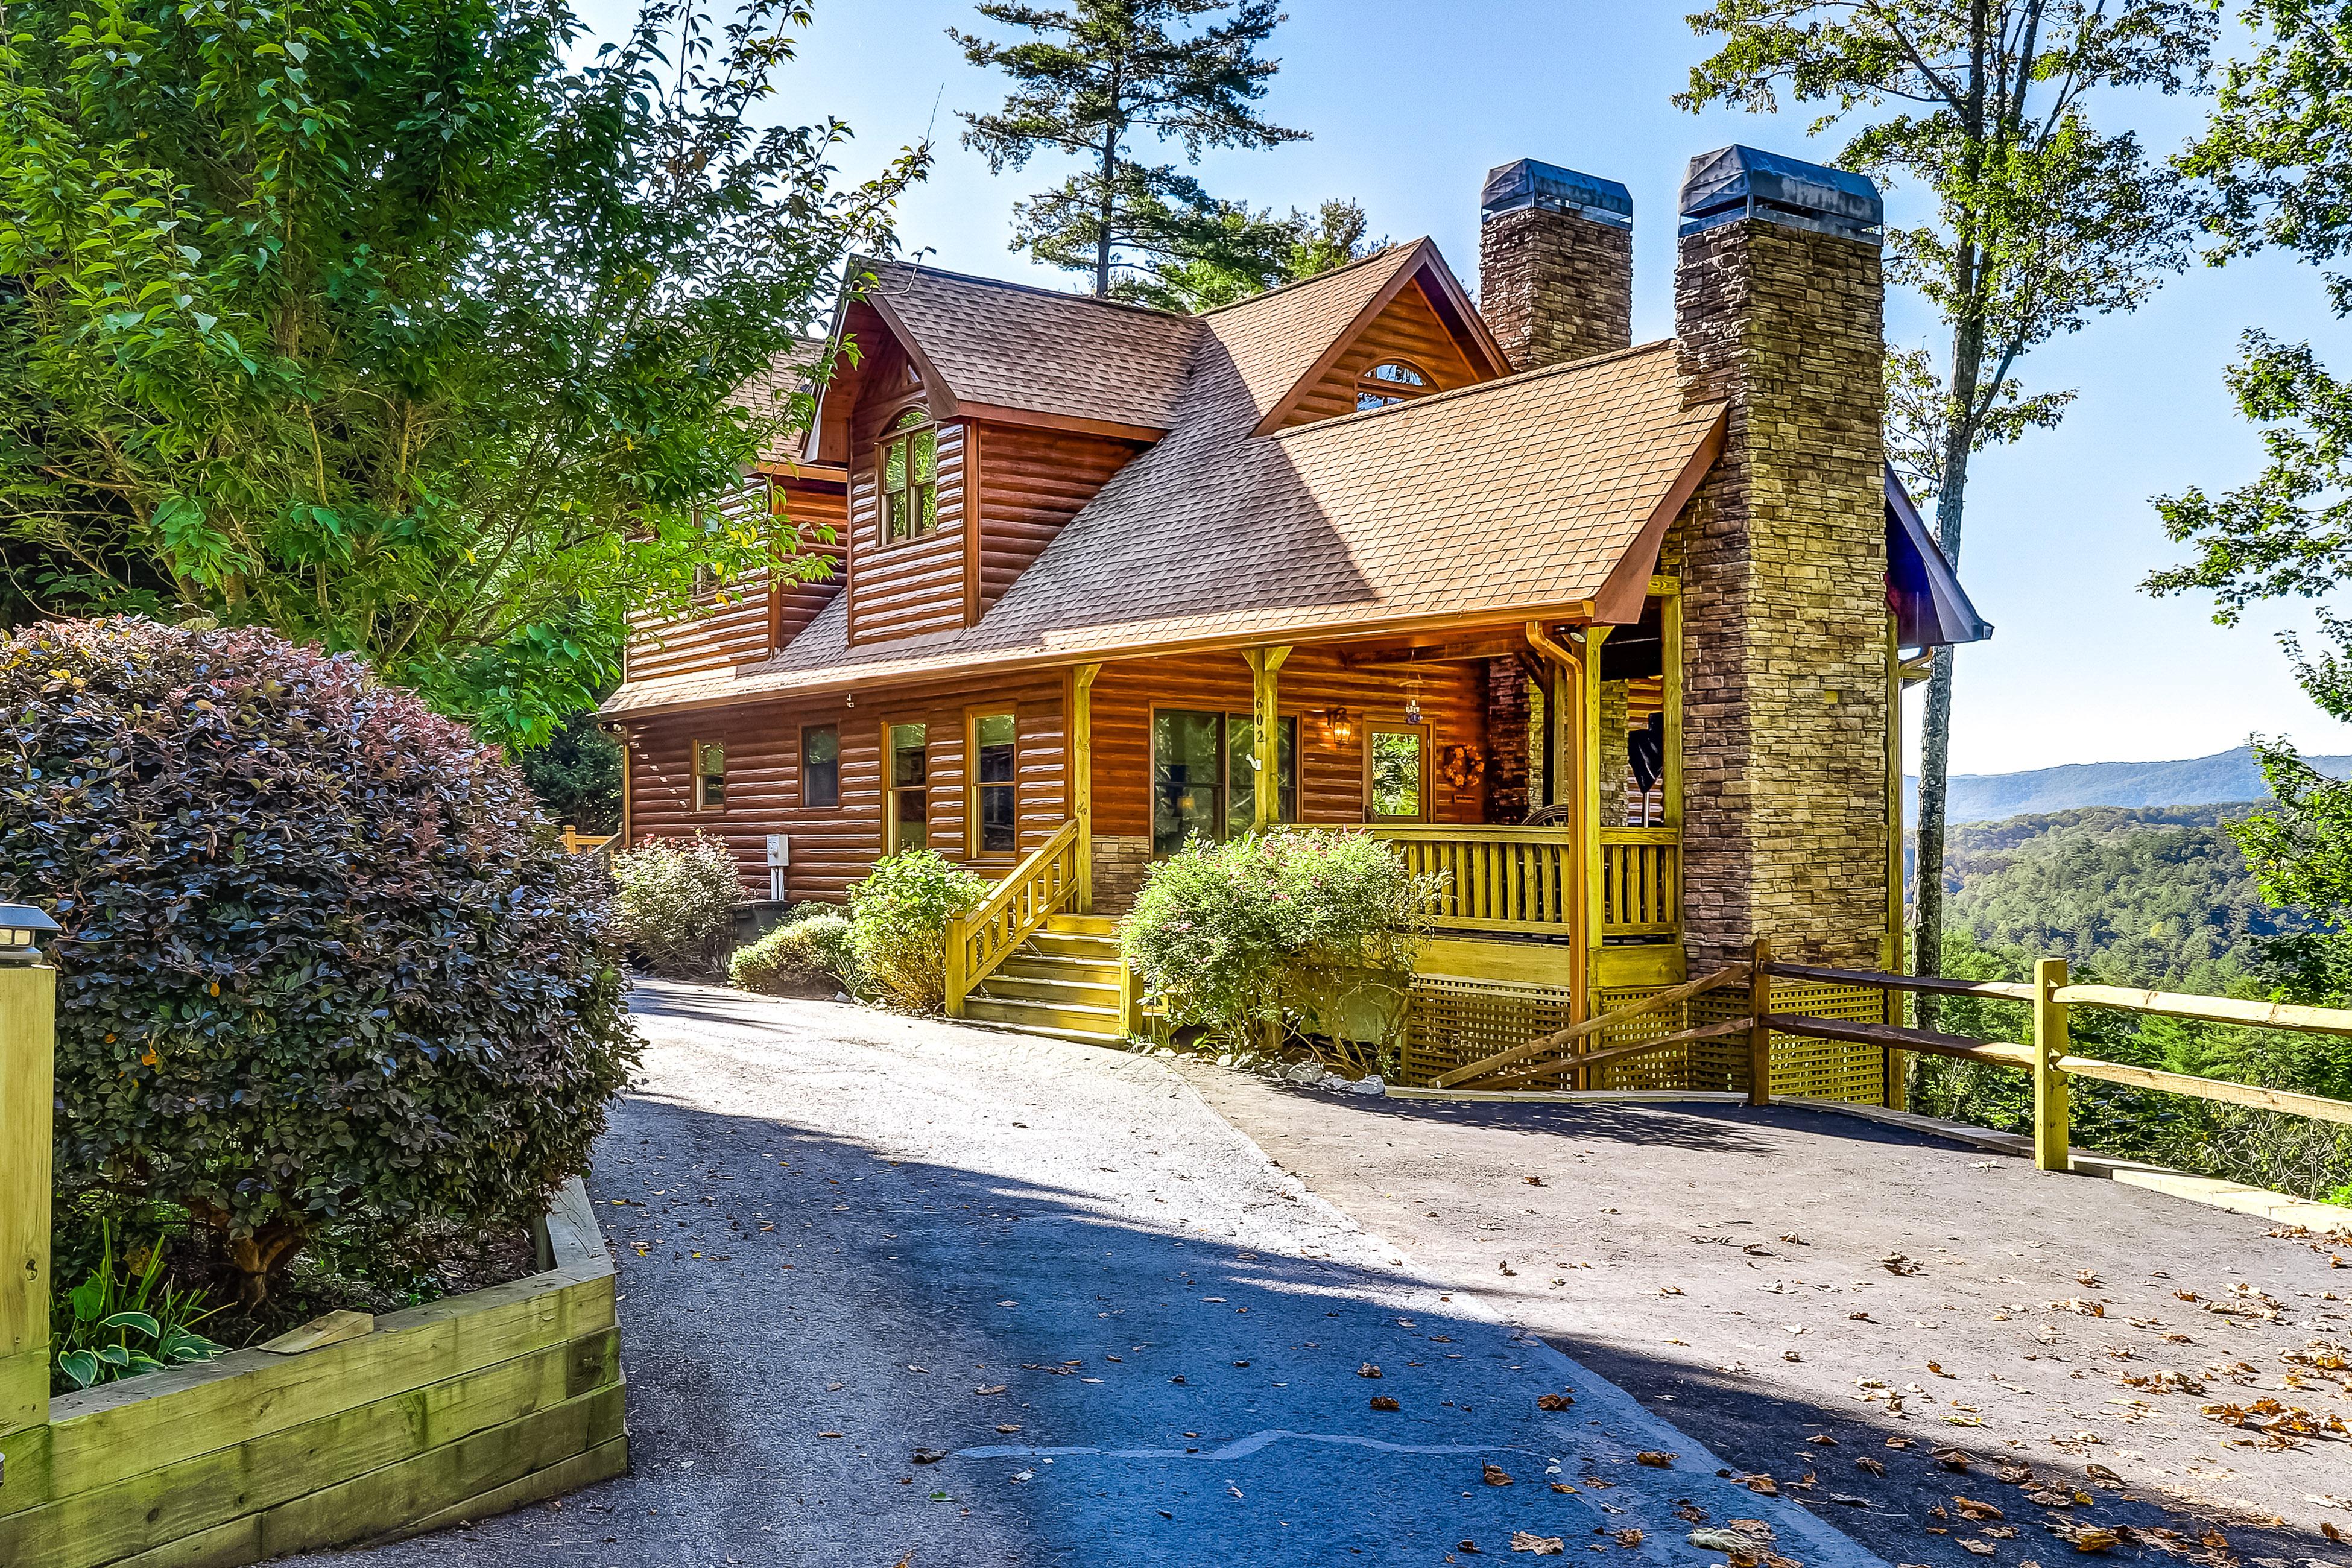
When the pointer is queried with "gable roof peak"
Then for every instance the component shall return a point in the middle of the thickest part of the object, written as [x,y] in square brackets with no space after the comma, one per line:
[1478,388]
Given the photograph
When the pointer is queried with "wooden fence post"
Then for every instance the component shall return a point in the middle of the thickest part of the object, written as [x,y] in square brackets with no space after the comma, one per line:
[2050,1130]
[955,961]
[29,998]
[1760,1032]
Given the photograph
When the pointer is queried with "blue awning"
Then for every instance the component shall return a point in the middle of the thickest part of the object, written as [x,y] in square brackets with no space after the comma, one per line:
[1931,609]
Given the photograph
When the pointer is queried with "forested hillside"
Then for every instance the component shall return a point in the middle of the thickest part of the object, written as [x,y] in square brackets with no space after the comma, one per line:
[2153,895]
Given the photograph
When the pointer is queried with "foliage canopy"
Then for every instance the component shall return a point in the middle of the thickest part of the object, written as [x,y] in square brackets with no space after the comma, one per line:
[391,327]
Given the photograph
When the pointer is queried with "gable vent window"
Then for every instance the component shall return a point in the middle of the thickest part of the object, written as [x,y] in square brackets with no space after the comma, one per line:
[1392,381]
[908,462]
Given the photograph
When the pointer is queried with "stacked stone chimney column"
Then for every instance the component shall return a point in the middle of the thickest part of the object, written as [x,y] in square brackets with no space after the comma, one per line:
[1784,559]
[1555,264]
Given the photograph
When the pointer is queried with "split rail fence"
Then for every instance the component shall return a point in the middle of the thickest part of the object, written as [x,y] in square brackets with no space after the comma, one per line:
[1573,1053]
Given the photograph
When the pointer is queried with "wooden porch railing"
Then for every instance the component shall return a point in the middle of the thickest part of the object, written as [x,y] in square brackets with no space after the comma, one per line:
[1640,882]
[577,843]
[1016,908]
[1496,878]
[1520,878]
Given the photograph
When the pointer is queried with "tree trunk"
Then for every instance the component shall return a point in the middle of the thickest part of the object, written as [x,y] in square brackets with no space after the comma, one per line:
[1103,218]
[1936,725]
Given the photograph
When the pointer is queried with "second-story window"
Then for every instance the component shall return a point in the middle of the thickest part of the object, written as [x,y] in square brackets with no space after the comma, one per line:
[1391,380]
[908,462]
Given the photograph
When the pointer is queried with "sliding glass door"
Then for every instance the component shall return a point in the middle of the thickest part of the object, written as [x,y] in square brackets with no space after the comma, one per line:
[1205,776]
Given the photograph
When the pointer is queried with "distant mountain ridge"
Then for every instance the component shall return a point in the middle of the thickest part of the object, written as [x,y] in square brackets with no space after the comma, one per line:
[2223,778]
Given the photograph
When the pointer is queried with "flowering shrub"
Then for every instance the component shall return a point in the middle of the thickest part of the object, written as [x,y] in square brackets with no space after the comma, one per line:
[323,968]
[898,920]
[1313,931]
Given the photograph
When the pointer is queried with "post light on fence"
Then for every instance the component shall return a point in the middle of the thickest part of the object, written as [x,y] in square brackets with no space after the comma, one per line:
[21,926]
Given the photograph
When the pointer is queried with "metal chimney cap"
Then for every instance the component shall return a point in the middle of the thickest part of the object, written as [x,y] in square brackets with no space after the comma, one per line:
[1744,182]
[1529,184]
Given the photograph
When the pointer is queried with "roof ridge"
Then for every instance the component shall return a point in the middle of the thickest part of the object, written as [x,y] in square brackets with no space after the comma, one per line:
[1298,283]
[920,269]
[1478,386]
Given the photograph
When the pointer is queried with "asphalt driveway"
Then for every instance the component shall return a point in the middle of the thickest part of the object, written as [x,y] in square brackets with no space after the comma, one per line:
[903,1292]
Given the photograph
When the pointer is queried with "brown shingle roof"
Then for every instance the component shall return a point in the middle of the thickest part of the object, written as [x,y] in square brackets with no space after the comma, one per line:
[1016,346]
[1522,495]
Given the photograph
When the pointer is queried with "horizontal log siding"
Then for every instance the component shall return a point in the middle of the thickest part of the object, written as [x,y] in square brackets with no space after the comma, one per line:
[833,847]
[1331,775]
[729,627]
[918,584]
[816,510]
[1027,483]
[1409,329]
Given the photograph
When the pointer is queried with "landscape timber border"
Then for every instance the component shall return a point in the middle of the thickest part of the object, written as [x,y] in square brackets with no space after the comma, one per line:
[454,1410]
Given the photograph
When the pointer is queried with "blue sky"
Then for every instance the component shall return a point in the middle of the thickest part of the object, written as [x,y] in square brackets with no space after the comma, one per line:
[1410,106]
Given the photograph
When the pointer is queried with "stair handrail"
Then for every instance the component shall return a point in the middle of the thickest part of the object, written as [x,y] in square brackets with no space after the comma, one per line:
[1015,909]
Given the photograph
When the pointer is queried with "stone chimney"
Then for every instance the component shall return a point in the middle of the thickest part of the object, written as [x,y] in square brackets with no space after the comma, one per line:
[1777,303]
[1555,264]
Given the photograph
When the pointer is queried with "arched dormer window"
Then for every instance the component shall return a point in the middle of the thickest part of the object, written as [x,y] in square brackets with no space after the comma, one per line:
[1390,381]
[909,463]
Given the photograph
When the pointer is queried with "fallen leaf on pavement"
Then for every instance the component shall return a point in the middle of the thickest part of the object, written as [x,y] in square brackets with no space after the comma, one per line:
[1823,1439]
[1762,1484]
[1670,1290]
[1368,1370]
[991,1388]
[1939,1372]
[1542,1545]
[2086,1537]
[1655,1460]
[1981,1548]
[1874,1466]
[1533,1181]
[1553,1401]
[1953,1459]
[1382,1402]
[1563,1487]
[929,1456]
[1628,1536]
[1001,1428]
[1495,1476]
[1895,1263]
[1970,1509]
[828,1433]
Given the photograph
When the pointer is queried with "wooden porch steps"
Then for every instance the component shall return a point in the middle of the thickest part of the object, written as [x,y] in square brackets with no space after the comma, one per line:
[1064,981]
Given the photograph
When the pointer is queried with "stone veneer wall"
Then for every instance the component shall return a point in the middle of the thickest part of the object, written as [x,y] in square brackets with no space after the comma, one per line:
[1119,867]
[1783,558]
[1507,742]
[1555,287]
[1616,753]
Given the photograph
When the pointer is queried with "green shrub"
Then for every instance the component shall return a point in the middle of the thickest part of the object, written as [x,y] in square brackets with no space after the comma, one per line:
[1312,931]
[898,919]
[677,899]
[811,948]
[323,967]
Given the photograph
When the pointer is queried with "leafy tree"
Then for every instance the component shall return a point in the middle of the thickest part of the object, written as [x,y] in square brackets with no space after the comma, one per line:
[1093,77]
[394,329]
[1256,253]
[2278,153]
[2040,219]
[576,775]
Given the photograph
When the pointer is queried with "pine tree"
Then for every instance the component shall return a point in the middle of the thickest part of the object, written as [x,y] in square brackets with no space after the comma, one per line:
[1093,77]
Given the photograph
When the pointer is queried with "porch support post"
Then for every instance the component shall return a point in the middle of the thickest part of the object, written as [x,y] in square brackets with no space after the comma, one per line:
[29,998]
[1891,949]
[1082,777]
[1593,905]
[1266,729]
[1670,627]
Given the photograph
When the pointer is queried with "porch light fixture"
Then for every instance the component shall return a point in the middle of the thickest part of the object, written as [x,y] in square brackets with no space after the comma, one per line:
[1337,724]
[1413,709]
[20,926]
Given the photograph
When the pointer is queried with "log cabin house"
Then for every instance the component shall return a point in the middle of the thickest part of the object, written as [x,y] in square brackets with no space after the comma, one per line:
[1614,634]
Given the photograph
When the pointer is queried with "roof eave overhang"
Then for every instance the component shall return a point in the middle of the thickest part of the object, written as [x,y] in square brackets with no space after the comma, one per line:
[1576,612]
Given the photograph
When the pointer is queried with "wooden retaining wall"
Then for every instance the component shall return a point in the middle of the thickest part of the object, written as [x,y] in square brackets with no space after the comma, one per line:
[458,1409]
